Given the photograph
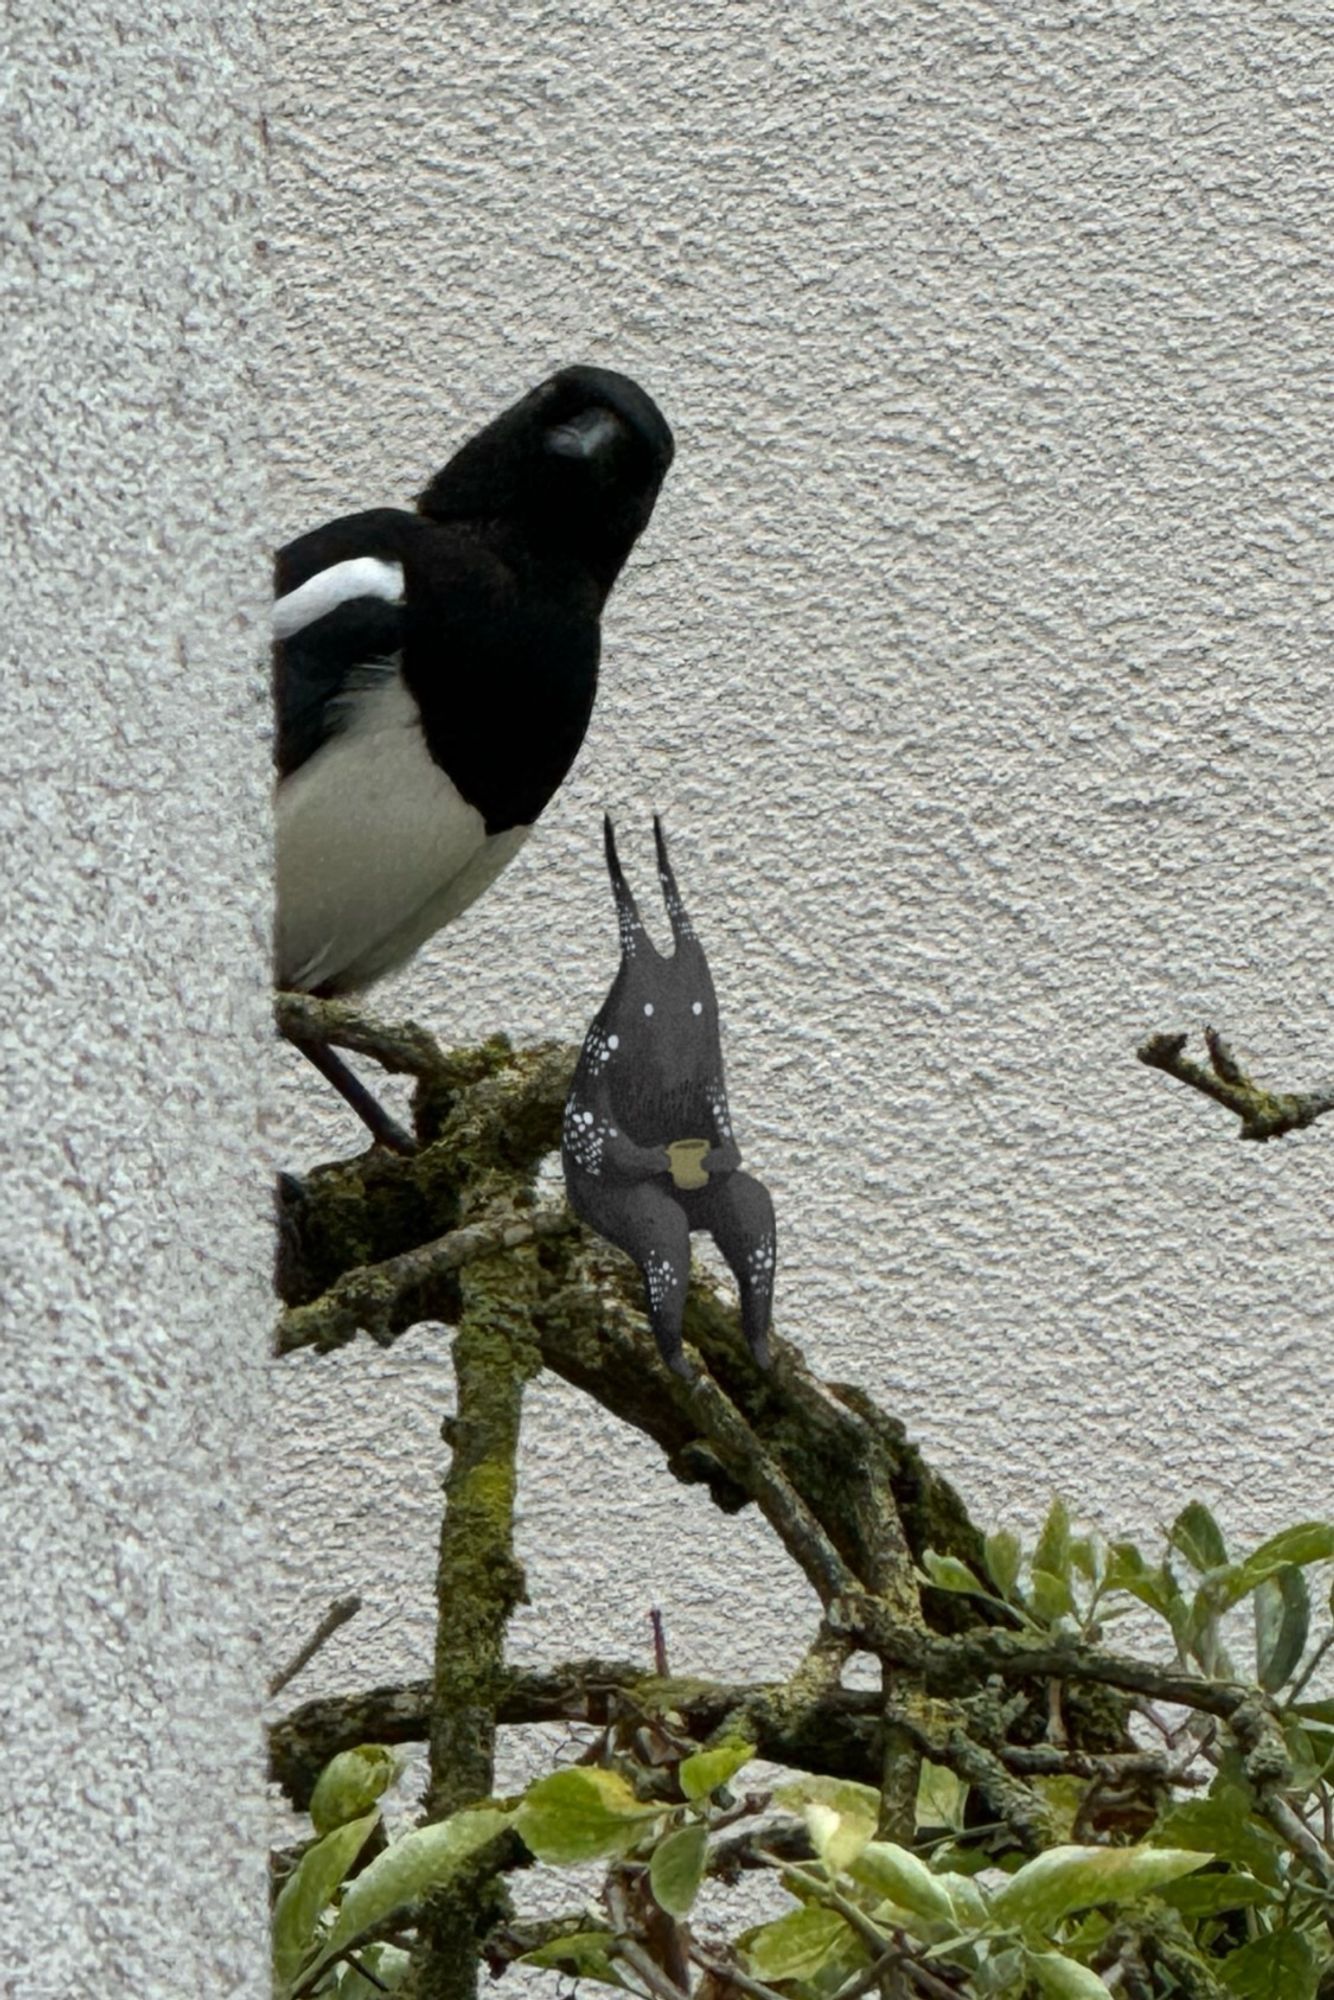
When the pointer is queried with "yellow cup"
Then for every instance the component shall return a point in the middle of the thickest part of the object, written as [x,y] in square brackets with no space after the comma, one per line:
[686,1156]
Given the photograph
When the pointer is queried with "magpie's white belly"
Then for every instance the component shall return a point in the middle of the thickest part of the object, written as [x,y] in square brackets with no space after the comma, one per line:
[376,849]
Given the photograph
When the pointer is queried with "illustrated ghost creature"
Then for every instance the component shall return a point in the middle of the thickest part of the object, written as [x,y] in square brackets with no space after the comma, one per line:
[647,1145]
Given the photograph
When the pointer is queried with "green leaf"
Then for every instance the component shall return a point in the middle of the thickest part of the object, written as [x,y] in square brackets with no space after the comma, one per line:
[1316,1711]
[412,1866]
[800,1944]
[1282,1607]
[581,1814]
[387,1962]
[350,1783]
[1052,1553]
[1061,1978]
[1004,1556]
[898,1876]
[584,1954]
[1207,1895]
[1064,1879]
[677,1868]
[1279,1966]
[1203,1637]
[1309,1542]
[948,1573]
[703,1773]
[1088,1554]
[1064,1799]
[940,1797]
[1050,1595]
[841,1816]
[836,1838]
[1158,1588]
[1199,1538]
[307,1893]
[1000,1973]
[1222,1825]
[971,1910]
[1310,1752]
[847,1798]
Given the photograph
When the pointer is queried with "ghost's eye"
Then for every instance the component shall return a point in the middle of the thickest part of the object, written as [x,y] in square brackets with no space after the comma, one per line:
[648,1006]
[697,1006]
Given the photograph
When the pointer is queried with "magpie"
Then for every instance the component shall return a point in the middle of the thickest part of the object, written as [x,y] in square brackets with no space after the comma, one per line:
[434,674]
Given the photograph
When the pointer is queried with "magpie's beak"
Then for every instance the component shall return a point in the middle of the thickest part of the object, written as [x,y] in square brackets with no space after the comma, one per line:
[588,436]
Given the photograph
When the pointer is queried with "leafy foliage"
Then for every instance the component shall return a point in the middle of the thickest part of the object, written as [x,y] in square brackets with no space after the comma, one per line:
[1219,1888]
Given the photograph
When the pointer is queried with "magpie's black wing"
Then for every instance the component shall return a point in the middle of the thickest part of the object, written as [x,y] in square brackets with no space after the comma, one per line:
[320,667]
[383,532]
[338,622]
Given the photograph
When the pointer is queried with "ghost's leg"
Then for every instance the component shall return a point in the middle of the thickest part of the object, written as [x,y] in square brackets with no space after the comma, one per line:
[650,1226]
[741,1222]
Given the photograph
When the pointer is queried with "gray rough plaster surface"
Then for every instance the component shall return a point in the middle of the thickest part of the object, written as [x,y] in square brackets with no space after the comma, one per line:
[979,659]
[132,1011]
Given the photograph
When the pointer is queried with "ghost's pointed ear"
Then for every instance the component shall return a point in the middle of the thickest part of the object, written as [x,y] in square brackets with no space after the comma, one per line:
[633,933]
[682,928]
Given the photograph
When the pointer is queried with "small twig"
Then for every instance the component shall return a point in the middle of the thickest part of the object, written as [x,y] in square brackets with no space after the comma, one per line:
[869,1978]
[929,1982]
[338,1614]
[1297,1835]
[856,1919]
[731,1975]
[1264,1114]
[1303,1679]
[659,1643]
[366,1973]
[652,1975]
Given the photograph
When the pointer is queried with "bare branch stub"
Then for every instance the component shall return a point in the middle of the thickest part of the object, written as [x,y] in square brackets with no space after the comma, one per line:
[1264,1114]
[335,1617]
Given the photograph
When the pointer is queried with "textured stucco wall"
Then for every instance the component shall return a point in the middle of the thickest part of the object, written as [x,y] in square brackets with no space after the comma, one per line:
[978,657]
[135,1233]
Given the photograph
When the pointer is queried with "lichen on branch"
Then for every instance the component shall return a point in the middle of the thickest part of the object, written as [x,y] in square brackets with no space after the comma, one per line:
[1263,1113]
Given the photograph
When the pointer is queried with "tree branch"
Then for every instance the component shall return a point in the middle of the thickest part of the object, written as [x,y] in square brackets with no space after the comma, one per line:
[965,1661]
[478,1584]
[1264,1114]
[834,1730]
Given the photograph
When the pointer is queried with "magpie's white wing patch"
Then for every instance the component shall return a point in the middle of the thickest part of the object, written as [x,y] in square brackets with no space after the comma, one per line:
[376,847]
[362,576]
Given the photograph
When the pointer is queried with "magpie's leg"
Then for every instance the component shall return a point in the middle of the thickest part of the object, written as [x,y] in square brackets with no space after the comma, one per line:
[386,1131]
[741,1222]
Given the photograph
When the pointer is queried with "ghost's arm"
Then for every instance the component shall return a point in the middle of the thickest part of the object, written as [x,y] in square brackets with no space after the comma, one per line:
[624,1161]
[724,1156]
[597,1143]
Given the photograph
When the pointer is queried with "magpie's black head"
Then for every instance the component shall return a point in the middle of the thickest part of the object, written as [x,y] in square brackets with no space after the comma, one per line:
[575,466]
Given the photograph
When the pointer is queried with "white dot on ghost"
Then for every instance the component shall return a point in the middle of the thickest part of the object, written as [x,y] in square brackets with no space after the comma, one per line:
[648,1006]
[613,1041]
[697,1006]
